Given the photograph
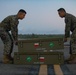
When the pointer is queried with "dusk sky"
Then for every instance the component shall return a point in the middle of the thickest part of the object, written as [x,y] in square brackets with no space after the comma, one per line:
[42,16]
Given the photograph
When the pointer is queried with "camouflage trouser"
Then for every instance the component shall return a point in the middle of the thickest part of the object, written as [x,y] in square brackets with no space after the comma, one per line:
[7,41]
[73,42]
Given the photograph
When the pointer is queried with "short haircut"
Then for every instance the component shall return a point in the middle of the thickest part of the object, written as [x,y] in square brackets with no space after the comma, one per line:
[61,9]
[23,11]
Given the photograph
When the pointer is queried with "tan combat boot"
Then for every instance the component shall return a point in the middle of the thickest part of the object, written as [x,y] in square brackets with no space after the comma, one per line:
[71,57]
[73,61]
[6,59]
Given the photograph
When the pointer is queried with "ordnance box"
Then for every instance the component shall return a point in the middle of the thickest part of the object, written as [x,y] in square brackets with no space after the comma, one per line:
[39,58]
[43,45]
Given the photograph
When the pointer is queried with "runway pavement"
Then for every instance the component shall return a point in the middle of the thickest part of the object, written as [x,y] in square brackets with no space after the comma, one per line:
[12,69]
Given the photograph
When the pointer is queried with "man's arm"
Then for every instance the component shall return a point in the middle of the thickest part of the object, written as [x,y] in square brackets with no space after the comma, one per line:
[67,29]
[14,30]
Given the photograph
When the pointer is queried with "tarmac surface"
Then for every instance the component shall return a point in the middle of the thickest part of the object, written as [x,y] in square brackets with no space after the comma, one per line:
[12,69]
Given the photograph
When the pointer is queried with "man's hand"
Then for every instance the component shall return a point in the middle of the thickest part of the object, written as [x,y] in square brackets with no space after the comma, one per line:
[16,42]
[65,39]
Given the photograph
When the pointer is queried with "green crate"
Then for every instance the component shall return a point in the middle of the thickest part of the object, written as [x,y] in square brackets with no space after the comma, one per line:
[37,45]
[39,58]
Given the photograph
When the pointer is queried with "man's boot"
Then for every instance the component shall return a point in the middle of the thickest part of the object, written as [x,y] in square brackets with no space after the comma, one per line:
[7,60]
[73,61]
[70,58]
[10,57]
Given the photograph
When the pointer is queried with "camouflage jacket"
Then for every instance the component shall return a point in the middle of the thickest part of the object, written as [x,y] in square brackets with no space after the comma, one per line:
[10,23]
[70,22]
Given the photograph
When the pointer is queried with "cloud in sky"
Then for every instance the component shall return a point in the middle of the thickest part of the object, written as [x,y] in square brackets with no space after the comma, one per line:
[42,16]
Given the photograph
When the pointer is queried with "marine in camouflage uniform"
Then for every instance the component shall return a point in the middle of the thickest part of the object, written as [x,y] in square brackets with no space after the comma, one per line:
[10,23]
[70,22]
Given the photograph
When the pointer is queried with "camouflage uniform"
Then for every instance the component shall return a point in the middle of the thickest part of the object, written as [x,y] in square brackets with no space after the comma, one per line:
[10,23]
[70,22]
